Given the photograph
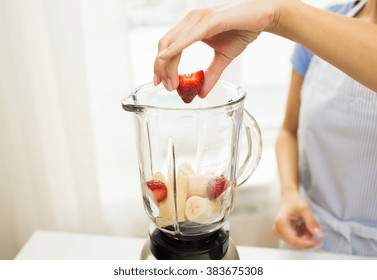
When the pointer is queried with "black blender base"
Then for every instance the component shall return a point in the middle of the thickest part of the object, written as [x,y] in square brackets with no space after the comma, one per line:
[214,246]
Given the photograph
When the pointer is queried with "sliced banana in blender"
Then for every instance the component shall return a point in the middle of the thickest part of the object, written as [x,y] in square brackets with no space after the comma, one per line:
[159,176]
[186,169]
[198,185]
[167,206]
[182,188]
[202,210]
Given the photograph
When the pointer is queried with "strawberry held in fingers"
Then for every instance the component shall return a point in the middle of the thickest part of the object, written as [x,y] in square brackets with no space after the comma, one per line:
[190,85]
[158,189]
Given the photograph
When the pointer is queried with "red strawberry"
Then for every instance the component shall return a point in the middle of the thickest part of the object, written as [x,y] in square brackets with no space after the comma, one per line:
[216,186]
[158,189]
[190,85]
[301,229]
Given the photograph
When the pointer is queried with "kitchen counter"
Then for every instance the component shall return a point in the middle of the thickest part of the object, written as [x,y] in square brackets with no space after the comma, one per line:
[46,245]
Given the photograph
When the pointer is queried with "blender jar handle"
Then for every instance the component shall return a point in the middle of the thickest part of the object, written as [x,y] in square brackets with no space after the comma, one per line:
[254,148]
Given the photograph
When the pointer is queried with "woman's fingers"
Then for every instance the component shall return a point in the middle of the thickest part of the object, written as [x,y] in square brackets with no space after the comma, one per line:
[285,229]
[191,29]
[213,73]
[310,222]
[296,224]
[167,73]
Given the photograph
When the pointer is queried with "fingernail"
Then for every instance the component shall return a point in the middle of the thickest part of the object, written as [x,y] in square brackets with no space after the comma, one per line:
[318,232]
[155,80]
[170,85]
[165,84]
[162,52]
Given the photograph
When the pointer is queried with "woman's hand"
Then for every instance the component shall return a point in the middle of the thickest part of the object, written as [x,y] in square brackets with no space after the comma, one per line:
[227,29]
[295,223]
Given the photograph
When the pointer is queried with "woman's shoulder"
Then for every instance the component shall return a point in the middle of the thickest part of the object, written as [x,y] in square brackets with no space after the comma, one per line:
[302,57]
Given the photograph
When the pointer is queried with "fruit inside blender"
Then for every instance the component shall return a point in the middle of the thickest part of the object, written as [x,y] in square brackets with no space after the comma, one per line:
[196,205]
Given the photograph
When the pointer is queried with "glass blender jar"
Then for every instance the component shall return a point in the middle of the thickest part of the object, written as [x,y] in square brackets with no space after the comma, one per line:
[190,167]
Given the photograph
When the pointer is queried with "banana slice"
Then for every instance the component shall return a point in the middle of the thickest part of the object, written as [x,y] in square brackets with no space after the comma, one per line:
[186,169]
[198,185]
[163,222]
[202,210]
[159,176]
[182,188]
[167,207]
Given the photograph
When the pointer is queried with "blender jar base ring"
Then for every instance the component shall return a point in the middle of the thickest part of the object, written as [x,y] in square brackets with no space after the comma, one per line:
[211,247]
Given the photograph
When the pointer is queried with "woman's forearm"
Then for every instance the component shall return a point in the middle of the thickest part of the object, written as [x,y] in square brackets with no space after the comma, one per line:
[287,160]
[286,143]
[347,43]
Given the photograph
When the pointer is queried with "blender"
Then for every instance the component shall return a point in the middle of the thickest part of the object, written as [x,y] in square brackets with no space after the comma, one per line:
[190,165]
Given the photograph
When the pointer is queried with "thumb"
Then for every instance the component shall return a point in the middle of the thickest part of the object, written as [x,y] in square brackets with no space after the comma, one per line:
[213,73]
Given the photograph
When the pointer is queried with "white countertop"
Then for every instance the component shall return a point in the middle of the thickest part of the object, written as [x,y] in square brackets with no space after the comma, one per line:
[46,245]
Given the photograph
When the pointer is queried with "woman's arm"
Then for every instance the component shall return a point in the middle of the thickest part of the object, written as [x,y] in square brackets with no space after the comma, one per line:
[292,206]
[347,43]
[286,143]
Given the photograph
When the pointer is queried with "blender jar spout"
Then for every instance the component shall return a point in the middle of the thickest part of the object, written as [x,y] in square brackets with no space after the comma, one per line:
[130,104]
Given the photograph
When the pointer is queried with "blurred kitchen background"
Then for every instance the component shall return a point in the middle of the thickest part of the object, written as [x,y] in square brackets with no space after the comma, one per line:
[67,150]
